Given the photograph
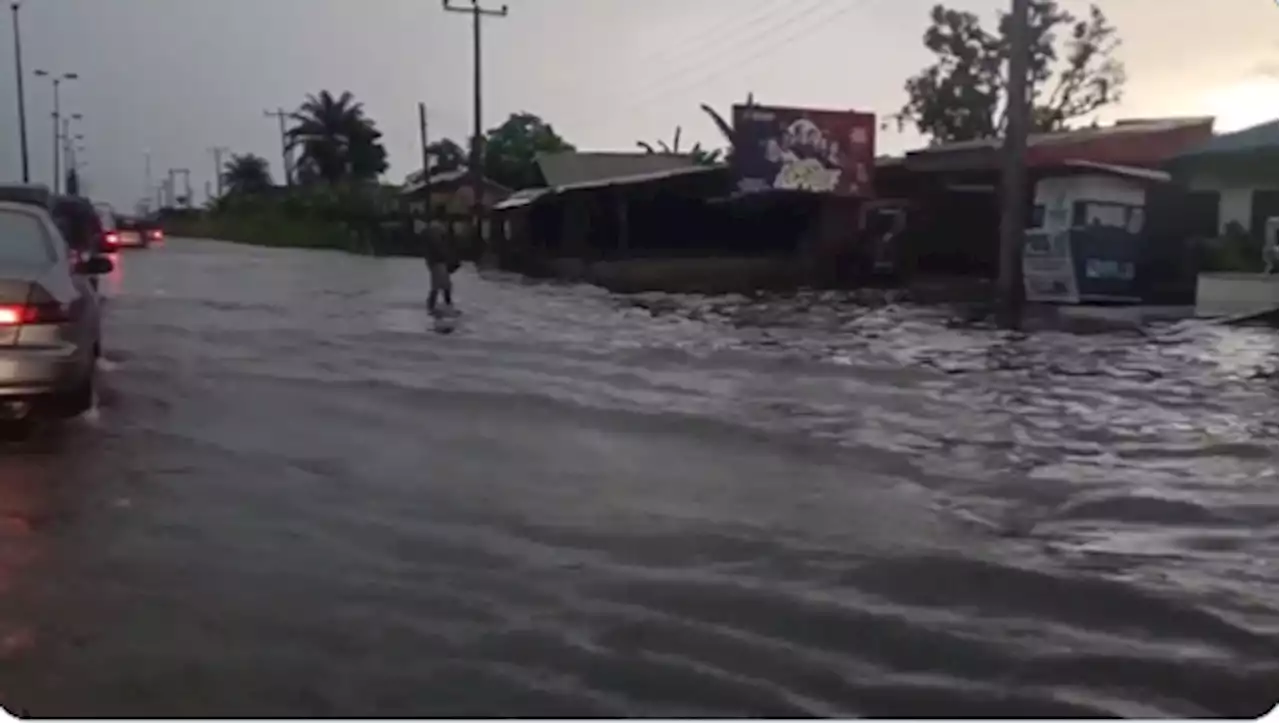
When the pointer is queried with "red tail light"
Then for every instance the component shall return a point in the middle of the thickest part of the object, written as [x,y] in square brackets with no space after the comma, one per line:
[110,238]
[15,315]
[155,234]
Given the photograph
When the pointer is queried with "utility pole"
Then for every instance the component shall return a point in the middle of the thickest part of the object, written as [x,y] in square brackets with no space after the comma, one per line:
[22,95]
[280,114]
[1014,186]
[217,152]
[57,113]
[426,166]
[477,138]
[146,162]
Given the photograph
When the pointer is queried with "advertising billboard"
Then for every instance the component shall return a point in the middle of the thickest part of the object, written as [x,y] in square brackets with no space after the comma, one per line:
[798,149]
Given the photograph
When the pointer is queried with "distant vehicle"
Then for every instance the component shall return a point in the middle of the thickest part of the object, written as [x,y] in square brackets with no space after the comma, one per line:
[138,232]
[50,317]
[110,229]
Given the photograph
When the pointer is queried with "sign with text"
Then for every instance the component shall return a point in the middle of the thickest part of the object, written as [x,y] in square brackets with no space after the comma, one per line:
[797,149]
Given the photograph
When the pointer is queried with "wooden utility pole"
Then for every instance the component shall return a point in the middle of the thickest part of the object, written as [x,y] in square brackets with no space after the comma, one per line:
[1014,181]
[477,137]
[281,115]
[426,166]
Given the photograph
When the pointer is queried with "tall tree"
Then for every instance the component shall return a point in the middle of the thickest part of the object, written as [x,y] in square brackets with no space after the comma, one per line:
[337,140]
[1073,72]
[511,149]
[246,174]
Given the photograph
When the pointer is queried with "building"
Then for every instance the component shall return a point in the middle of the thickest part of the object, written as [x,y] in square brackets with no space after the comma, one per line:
[1235,174]
[450,201]
[955,186]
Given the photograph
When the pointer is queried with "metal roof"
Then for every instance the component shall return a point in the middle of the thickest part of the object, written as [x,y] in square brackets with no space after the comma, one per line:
[444,178]
[1120,128]
[521,198]
[1111,169]
[570,168]
[1262,137]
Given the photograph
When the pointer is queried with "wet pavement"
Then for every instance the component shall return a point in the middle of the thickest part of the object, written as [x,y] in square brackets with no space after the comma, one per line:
[295,499]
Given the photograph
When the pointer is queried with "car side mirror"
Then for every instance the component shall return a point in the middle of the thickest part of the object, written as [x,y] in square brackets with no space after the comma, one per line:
[95,266]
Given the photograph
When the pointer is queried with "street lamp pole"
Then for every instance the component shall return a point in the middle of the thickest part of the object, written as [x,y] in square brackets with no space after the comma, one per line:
[22,96]
[57,115]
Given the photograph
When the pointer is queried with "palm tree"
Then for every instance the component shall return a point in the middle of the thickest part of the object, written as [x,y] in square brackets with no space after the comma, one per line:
[337,141]
[246,174]
[698,154]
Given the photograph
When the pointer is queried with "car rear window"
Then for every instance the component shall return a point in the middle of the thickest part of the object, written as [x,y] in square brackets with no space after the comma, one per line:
[107,219]
[24,241]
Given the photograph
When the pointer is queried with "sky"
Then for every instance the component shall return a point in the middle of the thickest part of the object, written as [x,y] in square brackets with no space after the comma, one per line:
[172,79]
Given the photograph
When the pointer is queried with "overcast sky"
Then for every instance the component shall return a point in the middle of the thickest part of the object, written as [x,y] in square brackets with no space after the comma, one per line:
[180,76]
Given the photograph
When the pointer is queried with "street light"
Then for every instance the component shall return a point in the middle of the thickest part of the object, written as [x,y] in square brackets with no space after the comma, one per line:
[57,113]
[22,96]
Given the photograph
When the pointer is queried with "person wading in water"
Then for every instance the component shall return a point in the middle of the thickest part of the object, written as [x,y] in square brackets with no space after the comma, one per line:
[442,261]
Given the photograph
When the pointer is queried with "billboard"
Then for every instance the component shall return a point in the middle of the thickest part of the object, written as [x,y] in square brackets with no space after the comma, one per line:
[797,149]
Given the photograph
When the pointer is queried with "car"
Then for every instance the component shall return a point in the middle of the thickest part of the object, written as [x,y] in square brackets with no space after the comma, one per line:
[33,193]
[137,232]
[110,228]
[50,317]
[82,226]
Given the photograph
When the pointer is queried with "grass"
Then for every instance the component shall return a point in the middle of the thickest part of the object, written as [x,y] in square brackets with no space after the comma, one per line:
[267,229]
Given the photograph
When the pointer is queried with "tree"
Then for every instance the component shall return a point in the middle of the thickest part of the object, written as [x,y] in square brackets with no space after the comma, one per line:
[698,154]
[961,96]
[246,174]
[511,149]
[337,141]
[446,156]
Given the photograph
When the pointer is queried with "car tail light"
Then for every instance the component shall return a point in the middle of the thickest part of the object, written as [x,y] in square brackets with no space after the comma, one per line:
[19,315]
[110,238]
[155,234]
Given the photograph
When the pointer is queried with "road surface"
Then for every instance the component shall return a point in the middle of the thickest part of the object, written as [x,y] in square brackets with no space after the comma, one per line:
[295,499]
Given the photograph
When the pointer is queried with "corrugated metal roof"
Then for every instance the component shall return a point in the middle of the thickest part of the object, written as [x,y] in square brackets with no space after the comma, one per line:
[1264,136]
[569,168]
[1121,127]
[521,198]
[1142,174]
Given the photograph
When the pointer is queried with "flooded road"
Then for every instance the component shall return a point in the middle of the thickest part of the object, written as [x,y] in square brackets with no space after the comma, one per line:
[295,499]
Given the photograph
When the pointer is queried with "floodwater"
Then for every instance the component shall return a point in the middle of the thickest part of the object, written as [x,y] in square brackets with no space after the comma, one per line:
[295,499]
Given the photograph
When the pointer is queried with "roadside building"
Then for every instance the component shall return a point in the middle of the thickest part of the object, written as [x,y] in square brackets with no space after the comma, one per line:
[1235,175]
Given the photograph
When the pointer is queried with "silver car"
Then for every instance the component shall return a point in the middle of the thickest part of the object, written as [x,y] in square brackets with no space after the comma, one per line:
[50,318]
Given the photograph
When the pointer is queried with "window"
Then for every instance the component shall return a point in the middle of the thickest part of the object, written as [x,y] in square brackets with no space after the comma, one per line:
[1037,216]
[24,241]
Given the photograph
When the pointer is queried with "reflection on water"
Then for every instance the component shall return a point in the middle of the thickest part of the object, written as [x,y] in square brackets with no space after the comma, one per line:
[587,504]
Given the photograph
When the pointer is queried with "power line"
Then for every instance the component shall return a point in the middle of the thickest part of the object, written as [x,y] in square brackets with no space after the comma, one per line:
[763,24]
[701,39]
[762,51]
[705,37]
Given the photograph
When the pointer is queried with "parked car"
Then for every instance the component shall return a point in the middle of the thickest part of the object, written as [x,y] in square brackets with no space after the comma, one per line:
[50,317]
[135,232]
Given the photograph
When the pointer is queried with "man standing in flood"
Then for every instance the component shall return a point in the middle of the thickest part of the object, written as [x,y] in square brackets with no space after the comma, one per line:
[442,261]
